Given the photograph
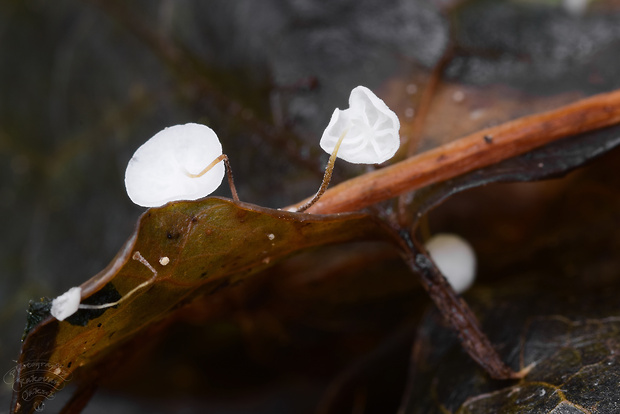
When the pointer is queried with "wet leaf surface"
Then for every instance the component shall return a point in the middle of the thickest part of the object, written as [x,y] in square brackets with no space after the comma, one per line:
[570,341]
[547,300]
[82,91]
[214,243]
[210,244]
[551,161]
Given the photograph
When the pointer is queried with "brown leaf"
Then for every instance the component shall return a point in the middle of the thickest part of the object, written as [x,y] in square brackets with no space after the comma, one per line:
[551,161]
[209,244]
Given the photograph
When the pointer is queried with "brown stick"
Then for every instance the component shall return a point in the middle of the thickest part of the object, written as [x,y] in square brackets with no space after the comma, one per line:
[455,311]
[474,151]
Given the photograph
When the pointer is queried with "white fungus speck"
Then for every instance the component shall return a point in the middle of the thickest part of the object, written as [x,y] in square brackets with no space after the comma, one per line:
[271,236]
[476,114]
[458,96]
[164,260]
[66,304]
[455,258]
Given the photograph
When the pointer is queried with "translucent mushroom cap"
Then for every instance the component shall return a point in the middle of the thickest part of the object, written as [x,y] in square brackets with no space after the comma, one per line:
[371,129]
[455,258]
[159,170]
[66,304]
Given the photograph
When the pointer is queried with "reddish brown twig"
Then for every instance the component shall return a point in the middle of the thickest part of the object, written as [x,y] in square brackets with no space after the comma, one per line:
[474,151]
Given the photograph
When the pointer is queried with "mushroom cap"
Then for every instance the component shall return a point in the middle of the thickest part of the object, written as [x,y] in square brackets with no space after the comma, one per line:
[157,172]
[66,304]
[371,129]
[455,258]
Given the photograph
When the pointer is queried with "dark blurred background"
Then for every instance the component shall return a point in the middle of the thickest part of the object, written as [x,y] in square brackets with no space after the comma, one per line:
[84,83]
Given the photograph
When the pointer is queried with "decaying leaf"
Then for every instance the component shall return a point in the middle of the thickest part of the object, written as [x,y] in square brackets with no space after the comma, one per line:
[208,244]
[551,161]
[552,307]
[570,341]
[199,247]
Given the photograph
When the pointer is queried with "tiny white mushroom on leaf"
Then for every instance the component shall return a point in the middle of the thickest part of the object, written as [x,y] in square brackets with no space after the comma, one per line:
[181,162]
[66,304]
[364,133]
[455,258]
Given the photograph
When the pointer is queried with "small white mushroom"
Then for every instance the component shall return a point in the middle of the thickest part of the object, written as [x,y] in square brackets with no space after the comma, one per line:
[365,133]
[66,304]
[455,258]
[367,130]
[164,260]
[175,164]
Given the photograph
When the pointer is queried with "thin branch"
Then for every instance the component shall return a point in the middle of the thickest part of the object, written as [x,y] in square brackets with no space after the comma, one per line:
[471,152]
[455,311]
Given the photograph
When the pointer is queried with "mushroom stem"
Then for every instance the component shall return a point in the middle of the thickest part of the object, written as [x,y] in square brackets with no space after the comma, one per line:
[326,178]
[229,174]
[136,256]
[112,304]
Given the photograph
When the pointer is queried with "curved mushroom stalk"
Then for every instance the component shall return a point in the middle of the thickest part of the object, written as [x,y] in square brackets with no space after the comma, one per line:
[68,303]
[371,132]
[231,182]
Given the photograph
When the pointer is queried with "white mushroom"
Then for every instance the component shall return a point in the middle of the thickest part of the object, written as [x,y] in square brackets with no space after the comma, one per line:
[455,258]
[368,130]
[365,133]
[174,165]
[66,304]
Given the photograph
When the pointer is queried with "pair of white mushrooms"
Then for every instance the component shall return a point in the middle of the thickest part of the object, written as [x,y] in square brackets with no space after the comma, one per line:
[171,166]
